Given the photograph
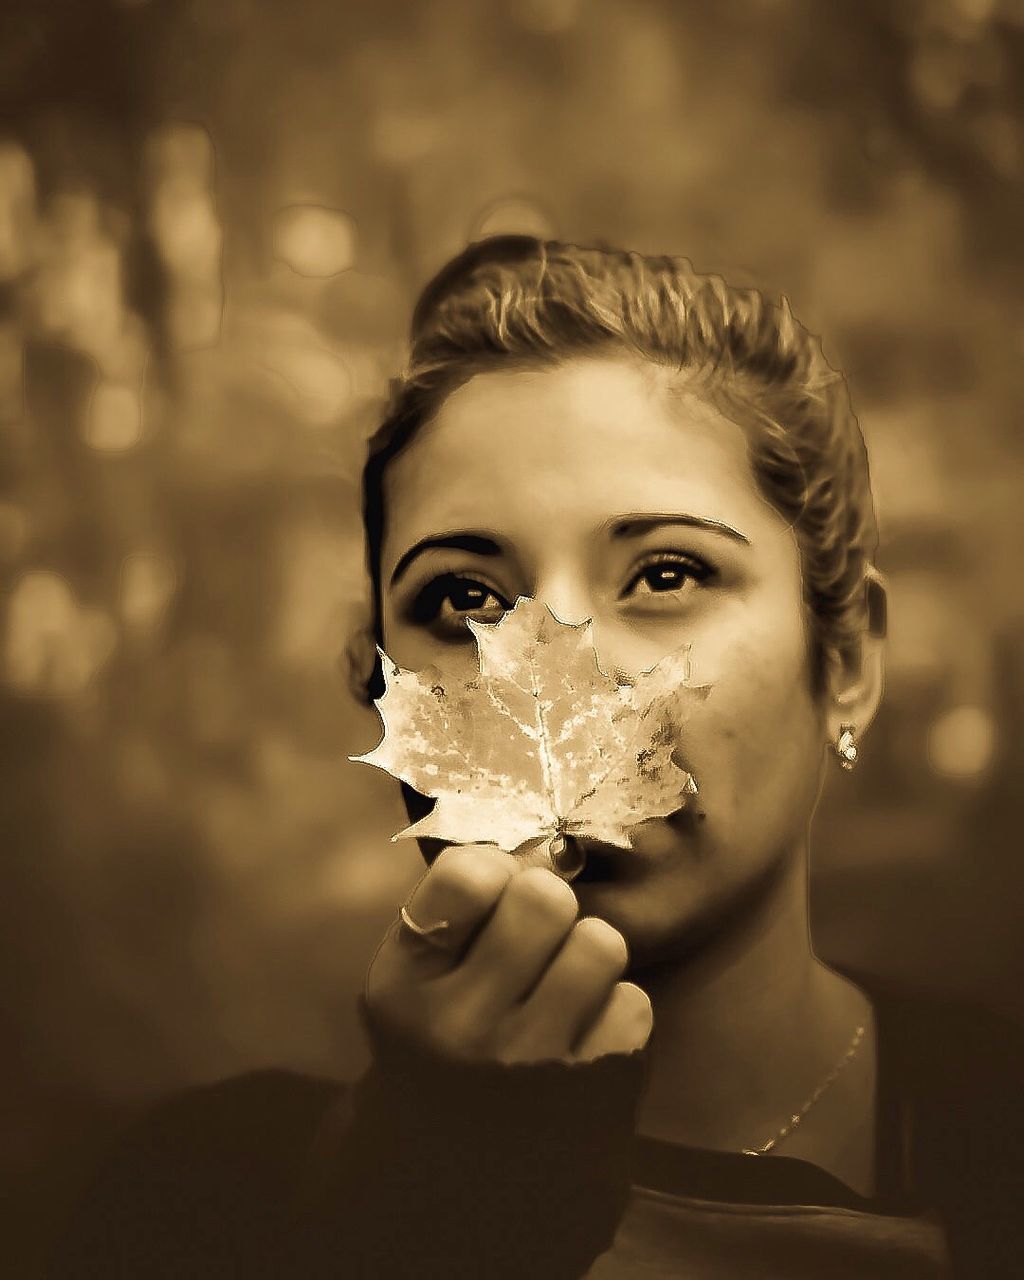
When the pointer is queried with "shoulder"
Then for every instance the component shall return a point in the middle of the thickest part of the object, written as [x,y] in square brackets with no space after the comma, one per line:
[264,1119]
[944,1045]
[959,1069]
[210,1163]
[960,1066]
[287,1102]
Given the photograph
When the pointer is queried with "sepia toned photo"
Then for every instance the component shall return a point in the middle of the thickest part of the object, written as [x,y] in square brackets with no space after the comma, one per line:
[512,639]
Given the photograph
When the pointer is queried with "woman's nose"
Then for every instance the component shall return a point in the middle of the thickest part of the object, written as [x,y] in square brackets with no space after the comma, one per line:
[566,596]
[568,599]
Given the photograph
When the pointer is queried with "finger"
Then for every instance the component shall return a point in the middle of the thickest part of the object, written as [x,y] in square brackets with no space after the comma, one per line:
[535,912]
[462,888]
[623,1026]
[571,994]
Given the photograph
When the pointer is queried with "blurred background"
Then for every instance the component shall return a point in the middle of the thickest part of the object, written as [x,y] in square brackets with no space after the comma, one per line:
[215,216]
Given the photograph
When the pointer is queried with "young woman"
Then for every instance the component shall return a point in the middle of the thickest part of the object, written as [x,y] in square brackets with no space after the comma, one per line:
[645,1071]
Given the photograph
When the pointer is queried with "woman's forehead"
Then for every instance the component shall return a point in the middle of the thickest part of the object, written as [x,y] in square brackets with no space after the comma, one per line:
[571,445]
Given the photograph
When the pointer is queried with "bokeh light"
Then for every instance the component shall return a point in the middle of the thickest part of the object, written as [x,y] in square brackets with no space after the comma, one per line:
[53,646]
[78,287]
[516,216]
[962,743]
[186,230]
[148,583]
[314,241]
[114,421]
[17,210]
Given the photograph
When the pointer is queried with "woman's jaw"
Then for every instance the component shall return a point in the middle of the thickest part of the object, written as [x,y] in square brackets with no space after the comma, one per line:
[676,892]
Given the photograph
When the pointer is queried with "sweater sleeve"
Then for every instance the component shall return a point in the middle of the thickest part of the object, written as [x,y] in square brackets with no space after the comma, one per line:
[424,1168]
[446,1170]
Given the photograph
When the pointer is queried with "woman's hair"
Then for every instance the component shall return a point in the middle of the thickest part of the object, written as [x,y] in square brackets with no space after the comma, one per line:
[517,302]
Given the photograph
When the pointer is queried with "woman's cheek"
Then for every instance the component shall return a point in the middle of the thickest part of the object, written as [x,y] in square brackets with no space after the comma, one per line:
[756,733]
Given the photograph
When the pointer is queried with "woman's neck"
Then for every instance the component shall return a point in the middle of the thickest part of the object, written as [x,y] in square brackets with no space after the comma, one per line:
[745,1031]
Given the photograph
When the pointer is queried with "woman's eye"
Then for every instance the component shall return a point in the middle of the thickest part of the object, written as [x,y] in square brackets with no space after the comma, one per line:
[667,574]
[449,600]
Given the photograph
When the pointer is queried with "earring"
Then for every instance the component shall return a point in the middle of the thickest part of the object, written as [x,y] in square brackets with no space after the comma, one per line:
[846,746]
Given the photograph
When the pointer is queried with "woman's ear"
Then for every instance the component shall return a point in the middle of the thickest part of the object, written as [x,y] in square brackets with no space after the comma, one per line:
[360,664]
[857,678]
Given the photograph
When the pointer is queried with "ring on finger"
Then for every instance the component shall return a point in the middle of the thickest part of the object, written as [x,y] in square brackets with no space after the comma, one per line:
[432,934]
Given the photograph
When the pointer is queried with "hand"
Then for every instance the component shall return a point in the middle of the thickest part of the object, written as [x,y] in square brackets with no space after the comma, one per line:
[521,978]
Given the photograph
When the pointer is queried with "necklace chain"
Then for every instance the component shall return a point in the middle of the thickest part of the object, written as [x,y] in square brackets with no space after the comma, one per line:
[796,1119]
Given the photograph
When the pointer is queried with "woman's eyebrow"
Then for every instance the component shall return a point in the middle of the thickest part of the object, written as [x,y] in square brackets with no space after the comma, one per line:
[624,526]
[633,525]
[478,543]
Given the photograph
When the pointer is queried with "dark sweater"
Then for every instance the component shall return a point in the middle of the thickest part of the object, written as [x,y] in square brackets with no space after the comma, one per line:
[429,1169]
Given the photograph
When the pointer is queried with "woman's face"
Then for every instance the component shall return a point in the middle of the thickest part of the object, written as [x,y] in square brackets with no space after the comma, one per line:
[591,487]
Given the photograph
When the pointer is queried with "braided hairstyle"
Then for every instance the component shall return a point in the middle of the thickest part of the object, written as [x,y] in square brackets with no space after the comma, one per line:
[510,302]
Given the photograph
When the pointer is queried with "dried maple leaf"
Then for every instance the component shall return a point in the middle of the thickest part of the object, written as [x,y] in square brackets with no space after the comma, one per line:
[540,743]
